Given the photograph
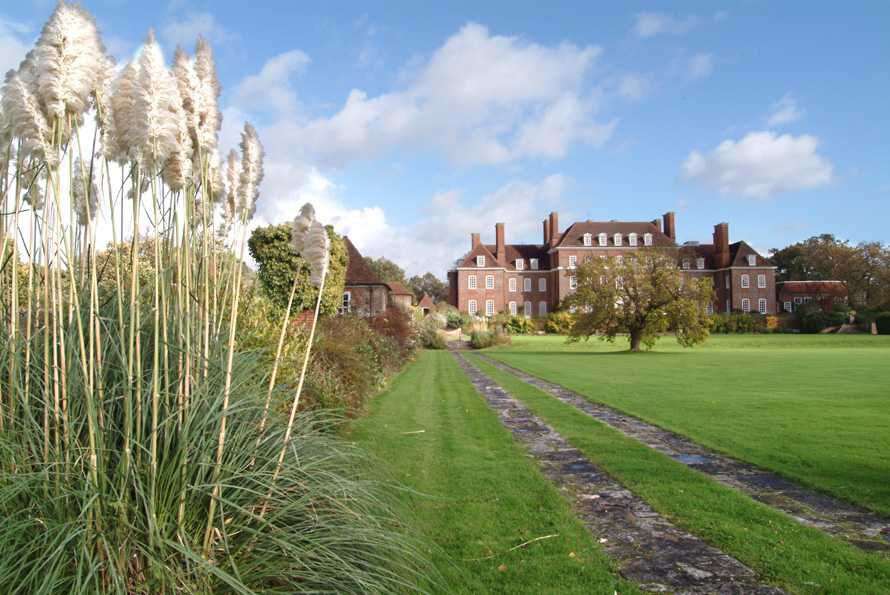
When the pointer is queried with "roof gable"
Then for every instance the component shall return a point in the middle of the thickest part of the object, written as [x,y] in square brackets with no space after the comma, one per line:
[574,235]
[469,259]
[357,270]
[739,252]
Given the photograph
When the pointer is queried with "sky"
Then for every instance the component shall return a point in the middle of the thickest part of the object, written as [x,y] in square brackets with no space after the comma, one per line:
[410,125]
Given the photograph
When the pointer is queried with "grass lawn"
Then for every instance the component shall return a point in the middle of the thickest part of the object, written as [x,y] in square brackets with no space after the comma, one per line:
[815,408]
[797,558]
[476,494]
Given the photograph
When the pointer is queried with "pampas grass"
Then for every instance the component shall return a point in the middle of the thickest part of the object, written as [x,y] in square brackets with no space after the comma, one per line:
[130,456]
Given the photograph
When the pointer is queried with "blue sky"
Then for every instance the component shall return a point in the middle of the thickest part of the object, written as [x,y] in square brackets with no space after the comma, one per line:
[412,124]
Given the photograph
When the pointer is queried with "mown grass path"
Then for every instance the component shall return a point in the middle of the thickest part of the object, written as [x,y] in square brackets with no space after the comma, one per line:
[854,524]
[798,558]
[474,494]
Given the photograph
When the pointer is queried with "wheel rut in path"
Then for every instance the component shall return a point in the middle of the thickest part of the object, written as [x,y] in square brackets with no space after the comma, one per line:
[647,548]
[854,524]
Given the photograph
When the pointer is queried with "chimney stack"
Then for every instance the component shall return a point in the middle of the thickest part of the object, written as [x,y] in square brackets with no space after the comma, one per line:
[721,245]
[546,232]
[474,240]
[670,225]
[554,228]
[500,252]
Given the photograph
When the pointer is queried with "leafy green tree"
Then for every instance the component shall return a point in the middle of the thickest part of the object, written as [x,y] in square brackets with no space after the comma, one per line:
[277,264]
[643,296]
[430,284]
[386,270]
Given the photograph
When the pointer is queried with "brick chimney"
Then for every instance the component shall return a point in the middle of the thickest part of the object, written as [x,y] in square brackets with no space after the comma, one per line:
[474,240]
[500,252]
[546,232]
[554,228]
[670,225]
[721,245]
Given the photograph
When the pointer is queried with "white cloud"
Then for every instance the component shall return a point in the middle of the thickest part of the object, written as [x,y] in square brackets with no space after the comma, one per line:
[784,111]
[633,87]
[185,31]
[271,87]
[478,99]
[12,44]
[700,65]
[649,24]
[760,165]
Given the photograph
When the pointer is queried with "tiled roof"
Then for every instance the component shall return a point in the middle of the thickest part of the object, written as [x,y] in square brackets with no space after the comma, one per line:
[738,255]
[426,301]
[574,235]
[357,270]
[836,288]
[398,289]
[705,251]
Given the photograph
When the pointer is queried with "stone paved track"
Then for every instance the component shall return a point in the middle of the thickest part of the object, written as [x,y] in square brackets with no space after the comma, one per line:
[648,549]
[847,521]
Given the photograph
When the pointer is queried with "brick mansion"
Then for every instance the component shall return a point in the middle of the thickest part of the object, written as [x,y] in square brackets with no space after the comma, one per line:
[532,279]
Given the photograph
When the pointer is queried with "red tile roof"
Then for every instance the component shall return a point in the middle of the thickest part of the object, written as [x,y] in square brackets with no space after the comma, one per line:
[357,270]
[835,288]
[574,235]
[426,302]
[398,289]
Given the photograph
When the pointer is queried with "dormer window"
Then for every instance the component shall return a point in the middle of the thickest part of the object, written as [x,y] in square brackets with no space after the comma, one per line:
[647,239]
[632,239]
[588,239]
[520,264]
[534,263]
[480,260]
[699,263]
[685,264]
[617,238]
[752,260]
[603,239]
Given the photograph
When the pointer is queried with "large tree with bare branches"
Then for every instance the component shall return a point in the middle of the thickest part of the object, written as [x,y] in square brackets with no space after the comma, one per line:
[643,295]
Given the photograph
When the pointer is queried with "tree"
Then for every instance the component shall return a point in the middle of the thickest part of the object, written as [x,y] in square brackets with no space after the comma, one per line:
[642,296]
[270,247]
[430,284]
[386,270]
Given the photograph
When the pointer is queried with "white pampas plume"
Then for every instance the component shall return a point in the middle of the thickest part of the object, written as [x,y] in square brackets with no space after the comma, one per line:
[315,252]
[84,195]
[155,130]
[251,171]
[24,118]
[232,177]
[34,195]
[71,62]
[178,167]
[300,228]
[188,83]
[207,108]
[117,138]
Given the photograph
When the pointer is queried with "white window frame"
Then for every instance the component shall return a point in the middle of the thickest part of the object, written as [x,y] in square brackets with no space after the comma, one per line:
[573,282]
[489,308]
[762,305]
[472,307]
[534,263]
[709,308]
[471,282]
[632,239]
[573,261]
[513,309]
[480,260]
[726,279]
[542,283]
[489,281]
[527,309]
[761,281]
[746,305]
[511,284]
[603,239]
[617,239]
[346,303]
[542,308]
[798,300]
[520,264]
[728,306]
[527,284]
[685,264]
[808,299]
[788,306]
[745,281]
[700,263]
[752,260]
[588,239]
[619,259]
[647,239]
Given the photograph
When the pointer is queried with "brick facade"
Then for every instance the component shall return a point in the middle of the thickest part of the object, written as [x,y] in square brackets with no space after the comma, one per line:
[555,257]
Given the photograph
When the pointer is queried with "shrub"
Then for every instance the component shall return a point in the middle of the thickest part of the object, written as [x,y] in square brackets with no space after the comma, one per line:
[485,339]
[812,319]
[455,319]
[429,336]
[738,322]
[514,325]
[559,322]
[397,324]
[882,321]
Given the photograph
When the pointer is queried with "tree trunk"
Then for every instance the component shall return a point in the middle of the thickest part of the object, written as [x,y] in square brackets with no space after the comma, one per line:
[635,340]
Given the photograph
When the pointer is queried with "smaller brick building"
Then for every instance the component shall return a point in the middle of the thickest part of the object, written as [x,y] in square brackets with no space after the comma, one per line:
[793,294]
[364,294]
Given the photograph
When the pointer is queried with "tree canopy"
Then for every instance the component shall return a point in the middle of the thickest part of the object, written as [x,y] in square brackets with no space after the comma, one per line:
[386,270]
[643,296]
[430,284]
[863,268]
[277,264]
